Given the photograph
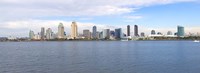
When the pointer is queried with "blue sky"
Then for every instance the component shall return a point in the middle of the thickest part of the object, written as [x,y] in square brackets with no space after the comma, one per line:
[20,16]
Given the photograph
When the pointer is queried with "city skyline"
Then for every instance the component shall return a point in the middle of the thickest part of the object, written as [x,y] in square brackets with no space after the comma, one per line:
[158,15]
[105,34]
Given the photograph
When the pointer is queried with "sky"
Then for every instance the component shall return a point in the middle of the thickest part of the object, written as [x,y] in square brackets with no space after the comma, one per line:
[18,17]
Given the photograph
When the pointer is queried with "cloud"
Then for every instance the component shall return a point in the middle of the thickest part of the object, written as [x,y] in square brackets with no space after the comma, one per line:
[132,18]
[28,9]
[23,15]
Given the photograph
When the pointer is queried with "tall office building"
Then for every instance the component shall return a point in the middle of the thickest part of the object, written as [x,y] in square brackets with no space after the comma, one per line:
[128,30]
[118,33]
[112,33]
[87,34]
[42,33]
[94,32]
[61,32]
[49,34]
[180,31]
[74,30]
[98,35]
[106,33]
[31,34]
[136,30]
[153,32]
[101,35]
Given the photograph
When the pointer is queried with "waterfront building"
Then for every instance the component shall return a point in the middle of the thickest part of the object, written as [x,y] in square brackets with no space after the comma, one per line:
[74,30]
[94,32]
[112,33]
[128,30]
[159,33]
[31,34]
[153,32]
[87,34]
[49,34]
[142,34]
[98,35]
[136,31]
[61,31]
[101,35]
[118,33]
[180,31]
[42,33]
[169,33]
[37,36]
[106,33]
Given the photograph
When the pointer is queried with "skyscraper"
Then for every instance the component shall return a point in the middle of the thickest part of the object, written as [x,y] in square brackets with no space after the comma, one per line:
[74,30]
[42,33]
[118,33]
[153,32]
[180,31]
[106,33]
[136,30]
[31,34]
[128,30]
[49,34]
[87,34]
[61,31]
[112,33]
[94,32]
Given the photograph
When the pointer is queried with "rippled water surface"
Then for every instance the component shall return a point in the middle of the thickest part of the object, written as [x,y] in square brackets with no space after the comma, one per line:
[100,57]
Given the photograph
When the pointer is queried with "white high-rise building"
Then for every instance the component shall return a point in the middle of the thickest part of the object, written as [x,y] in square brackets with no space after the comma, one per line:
[61,31]
[49,34]
[106,33]
[74,30]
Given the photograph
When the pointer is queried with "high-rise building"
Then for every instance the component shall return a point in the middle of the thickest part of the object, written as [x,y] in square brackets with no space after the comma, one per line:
[153,32]
[74,30]
[87,34]
[128,30]
[101,35]
[98,35]
[42,33]
[61,32]
[112,33]
[118,33]
[106,33]
[142,34]
[49,34]
[180,31]
[169,33]
[94,32]
[31,34]
[136,30]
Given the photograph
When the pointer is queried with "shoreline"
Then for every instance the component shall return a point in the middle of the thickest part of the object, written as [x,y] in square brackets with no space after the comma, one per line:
[89,40]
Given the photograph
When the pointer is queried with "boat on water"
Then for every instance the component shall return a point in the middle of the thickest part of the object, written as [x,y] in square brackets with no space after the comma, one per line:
[197,41]
[124,39]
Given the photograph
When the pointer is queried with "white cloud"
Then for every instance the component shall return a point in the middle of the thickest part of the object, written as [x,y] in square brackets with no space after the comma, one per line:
[13,9]
[22,15]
